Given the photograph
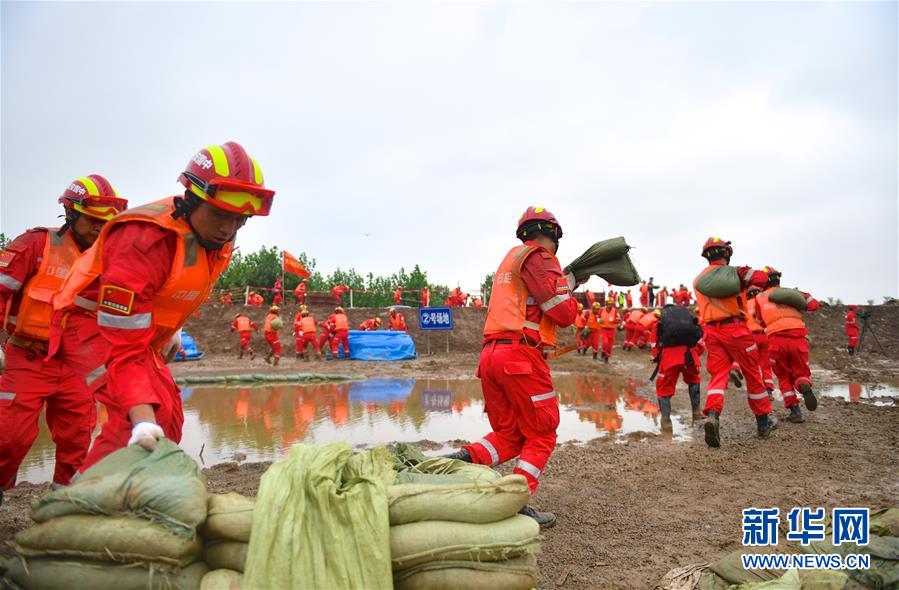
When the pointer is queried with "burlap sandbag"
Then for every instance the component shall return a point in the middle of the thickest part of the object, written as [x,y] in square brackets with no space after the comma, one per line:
[228,555]
[518,573]
[790,297]
[409,459]
[222,580]
[50,573]
[720,281]
[475,502]
[105,538]
[439,540]
[230,517]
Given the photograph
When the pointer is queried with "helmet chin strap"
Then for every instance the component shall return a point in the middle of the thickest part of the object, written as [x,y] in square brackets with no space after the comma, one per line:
[71,217]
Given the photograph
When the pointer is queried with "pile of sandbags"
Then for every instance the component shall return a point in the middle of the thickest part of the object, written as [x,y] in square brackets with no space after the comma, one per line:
[458,527]
[130,521]
[226,537]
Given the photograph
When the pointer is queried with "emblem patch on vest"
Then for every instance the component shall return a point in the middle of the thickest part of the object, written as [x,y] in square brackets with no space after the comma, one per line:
[117,299]
[6,258]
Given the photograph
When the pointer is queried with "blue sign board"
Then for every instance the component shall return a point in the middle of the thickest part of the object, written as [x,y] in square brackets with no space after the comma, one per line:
[435,318]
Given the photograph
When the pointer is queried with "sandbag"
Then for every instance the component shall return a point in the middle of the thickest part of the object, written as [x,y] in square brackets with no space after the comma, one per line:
[229,517]
[791,297]
[720,281]
[518,573]
[164,486]
[277,323]
[104,538]
[438,540]
[475,502]
[607,259]
[222,580]
[226,555]
[434,479]
[48,573]
[409,459]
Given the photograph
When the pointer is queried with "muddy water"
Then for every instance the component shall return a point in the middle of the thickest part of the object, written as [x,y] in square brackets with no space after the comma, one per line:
[876,394]
[260,423]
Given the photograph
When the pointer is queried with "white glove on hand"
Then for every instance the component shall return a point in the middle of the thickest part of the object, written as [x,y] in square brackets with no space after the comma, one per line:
[172,347]
[146,434]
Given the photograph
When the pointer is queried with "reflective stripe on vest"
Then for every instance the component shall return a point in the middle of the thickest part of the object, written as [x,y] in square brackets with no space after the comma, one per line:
[635,316]
[35,307]
[191,277]
[715,309]
[776,316]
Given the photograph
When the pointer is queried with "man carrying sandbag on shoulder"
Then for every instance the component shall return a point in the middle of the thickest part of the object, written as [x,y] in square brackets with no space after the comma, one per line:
[722,307]
[156,264]
[530,299]
[780,312]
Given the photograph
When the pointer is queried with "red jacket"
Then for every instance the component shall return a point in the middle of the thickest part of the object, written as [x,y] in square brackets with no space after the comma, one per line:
[851,324]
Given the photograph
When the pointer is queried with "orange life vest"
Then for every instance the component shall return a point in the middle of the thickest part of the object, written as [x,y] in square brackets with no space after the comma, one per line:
[35,305]
[579,321]
[506,311]
[268,322]
[243,324]
[307,324]
[715,309]
[776,316]
[398,322]
[592,320]
[752,310]
[608,318]
[648,320]
[341,322]
[635,316]
[191,277]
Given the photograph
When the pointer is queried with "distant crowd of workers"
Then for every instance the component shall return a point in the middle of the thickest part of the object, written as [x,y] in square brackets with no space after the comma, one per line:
[455,298]
[330,335]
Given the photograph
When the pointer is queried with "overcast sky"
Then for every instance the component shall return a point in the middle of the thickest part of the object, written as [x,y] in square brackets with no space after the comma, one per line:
[397,134]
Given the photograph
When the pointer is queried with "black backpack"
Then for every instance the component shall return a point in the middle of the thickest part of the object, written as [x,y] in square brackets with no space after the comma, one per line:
[678,327]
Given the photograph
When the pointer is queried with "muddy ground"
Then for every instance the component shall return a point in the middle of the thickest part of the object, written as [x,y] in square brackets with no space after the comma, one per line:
[630,511]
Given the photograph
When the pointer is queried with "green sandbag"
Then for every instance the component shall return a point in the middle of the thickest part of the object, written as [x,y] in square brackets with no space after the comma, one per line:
[433,479]
[321,521]
[885,522]
[409,458]
[277,323]
[475,502]
[48,573]
[518,573]
[105,538]
[791,297]
[230,517]
[246,378]
[720,281]
[796,580]
[259,377]
[438,540]
[226,555]
[166,487]
[222,580]
[607,259]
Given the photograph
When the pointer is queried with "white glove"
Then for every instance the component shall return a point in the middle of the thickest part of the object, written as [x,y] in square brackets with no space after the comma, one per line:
[146,434]
[171,348]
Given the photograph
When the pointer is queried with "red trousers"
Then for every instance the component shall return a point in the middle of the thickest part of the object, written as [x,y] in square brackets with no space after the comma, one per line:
[608,340]
[672,365]
[341,337]
[274,342]
[728,344]
[593,340]
[852,334]
[305,340]
[29,384]
[644,300]
[325,338]
[245,341]
[790,356]
[630,336]
[765,364]
[522,407]
[577,338]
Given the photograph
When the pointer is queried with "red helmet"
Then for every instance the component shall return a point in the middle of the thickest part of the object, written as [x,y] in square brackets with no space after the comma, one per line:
[228,178]
[717,243]
[544,220]
[93,195]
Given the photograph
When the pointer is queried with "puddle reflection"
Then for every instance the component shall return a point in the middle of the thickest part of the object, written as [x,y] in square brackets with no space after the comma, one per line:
[878,394]
[262,422]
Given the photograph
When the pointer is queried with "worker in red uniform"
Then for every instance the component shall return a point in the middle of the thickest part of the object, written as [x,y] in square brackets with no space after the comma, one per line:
[644,294]
[477,302]
[608,323]
[278,298]
[32,268]
[852,329]
[300,292]
[341,333]
[592,321]
[326,339]
[156,264]
[628,300]
[728,340]
[338,292]
[662,300]
[788,338]
[226,299]
[677,353]
[396,321]
[370,325]
[646,329]
[244,326]
[530,298]
[305,334]
[761,339]
[579,324]
[255,299]
[272,335]
[591,298]
[398,296]
[425,297]
[632,329]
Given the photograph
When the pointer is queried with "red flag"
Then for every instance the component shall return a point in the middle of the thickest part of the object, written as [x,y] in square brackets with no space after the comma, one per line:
[292,265]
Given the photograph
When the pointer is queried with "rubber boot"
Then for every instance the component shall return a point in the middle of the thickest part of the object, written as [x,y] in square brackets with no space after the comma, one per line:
[712,430]
[811,402]
[544,519]
[665,407]
[298,355]
[795,415]
[268,358]
[693,388]
[461,455]
[765,424]
[594,356]
[240,354]
[277,358]
[252,354]
[605,359]
[851,350]
[736,378]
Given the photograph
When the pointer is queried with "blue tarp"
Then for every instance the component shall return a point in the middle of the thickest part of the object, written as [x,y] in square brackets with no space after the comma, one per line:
[381,345]
[381,390]
[190,348]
